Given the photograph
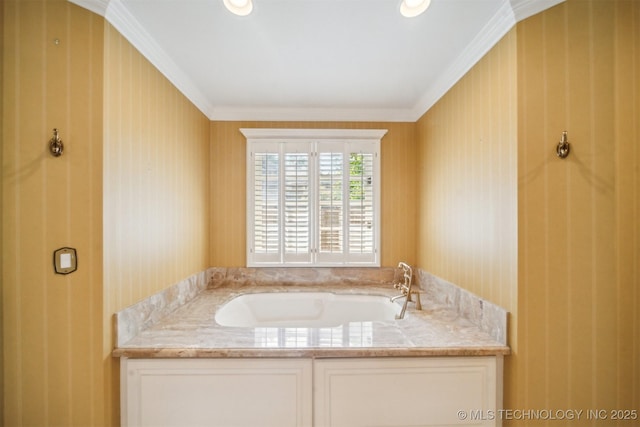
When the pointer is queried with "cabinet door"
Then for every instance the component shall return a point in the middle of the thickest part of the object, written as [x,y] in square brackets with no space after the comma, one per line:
[216,392]
[406,392]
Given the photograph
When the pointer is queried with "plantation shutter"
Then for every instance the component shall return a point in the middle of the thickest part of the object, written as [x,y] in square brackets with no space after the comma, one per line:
[347,202]
[313,201]
[265,207]
[361,206]
[297,203]
[331,210]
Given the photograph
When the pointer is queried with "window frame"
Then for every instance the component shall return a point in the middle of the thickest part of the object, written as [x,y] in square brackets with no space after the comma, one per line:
[313,138]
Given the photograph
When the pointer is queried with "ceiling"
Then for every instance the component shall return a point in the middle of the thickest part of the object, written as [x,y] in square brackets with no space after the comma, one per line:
[353,60]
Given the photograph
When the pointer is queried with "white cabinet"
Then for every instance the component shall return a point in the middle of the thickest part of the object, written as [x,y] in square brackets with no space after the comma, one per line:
[216,392]
[406,391]
[384,392]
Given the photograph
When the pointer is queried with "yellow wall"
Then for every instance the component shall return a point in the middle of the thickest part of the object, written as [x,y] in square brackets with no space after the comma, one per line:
[574,224]
[554,241]
[156,189]
[156,185]
[228,189]
[578,218]
[467,191]
[52,324]
[131,193]
[467,185]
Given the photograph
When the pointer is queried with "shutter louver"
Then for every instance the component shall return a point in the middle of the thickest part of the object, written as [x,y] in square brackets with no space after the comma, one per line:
[330,196]
[266,203]
[297,208]
[361,204]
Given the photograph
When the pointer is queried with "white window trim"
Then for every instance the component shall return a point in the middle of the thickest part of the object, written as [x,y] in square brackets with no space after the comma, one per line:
[312,135]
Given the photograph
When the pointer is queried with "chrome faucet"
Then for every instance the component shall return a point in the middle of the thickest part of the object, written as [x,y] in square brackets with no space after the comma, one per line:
[406,290]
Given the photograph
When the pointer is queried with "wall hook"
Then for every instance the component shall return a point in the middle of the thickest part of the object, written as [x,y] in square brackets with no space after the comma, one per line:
[562,150]
[55,144]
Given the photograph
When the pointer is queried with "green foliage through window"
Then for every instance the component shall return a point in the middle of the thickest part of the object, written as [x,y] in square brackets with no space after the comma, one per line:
[356,177]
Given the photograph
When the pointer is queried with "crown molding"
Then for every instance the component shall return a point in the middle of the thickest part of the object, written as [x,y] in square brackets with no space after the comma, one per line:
[522,9]
[128,26]
[500,24]
[510,12]
[96,6]
[312,114]
[486,38]
[279,134]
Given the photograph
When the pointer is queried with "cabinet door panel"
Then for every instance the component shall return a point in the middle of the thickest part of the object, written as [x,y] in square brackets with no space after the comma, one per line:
[404,392]
[220,392]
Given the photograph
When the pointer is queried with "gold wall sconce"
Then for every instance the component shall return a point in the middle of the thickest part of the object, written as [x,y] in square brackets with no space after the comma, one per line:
[562,150]
[55,144]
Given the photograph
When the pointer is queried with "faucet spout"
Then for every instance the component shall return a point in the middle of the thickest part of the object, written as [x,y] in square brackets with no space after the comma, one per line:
[393,299]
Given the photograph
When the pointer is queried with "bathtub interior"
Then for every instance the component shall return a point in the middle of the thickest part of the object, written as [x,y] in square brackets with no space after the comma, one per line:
[304,309]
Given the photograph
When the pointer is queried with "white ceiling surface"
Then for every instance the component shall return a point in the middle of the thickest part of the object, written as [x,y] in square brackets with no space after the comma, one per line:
[353,60]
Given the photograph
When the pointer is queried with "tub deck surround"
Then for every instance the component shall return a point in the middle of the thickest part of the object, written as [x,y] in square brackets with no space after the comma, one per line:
[190,331]
[146,313]
[489,317]
[320,276]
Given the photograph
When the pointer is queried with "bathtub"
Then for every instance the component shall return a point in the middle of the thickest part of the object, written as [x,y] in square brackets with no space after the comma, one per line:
[304,356]
[304,309]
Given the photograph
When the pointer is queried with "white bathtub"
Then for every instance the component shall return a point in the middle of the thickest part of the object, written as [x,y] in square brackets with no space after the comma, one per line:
[304,309]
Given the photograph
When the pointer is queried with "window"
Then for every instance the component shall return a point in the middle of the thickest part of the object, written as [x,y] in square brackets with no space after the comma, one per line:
[313,197]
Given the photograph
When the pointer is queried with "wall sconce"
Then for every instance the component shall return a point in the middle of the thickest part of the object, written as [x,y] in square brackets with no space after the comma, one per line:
[55,144]
[562,149]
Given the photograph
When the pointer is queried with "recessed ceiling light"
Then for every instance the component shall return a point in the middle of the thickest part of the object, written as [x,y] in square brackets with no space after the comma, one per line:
[239,7]
[411,8]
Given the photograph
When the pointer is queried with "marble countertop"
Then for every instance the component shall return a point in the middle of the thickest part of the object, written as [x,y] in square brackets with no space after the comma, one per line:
[191,331]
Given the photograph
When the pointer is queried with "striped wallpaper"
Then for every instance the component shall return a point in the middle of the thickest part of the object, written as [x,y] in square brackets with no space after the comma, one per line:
[467,182]
[565,258]
[130,192]
[467,185]
[149,191]
[52,325]
[156,186]
[579,218]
